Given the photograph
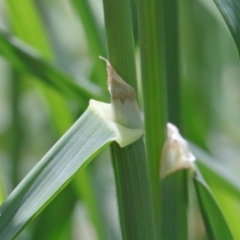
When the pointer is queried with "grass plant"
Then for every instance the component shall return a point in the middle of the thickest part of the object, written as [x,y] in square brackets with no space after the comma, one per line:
[160,53]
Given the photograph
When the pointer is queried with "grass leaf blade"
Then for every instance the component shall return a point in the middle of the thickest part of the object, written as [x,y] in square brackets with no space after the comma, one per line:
[218,173]
[27,60]
[214,221]
[230,11]
[84,140]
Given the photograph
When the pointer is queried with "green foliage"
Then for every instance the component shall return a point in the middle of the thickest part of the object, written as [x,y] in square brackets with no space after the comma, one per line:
[230,12]
[72,152]
[183,65]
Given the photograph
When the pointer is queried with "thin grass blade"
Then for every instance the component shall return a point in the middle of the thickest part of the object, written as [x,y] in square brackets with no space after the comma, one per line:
[214,221]
[23,17]
[229,204]
[230,11]
[27,60]
[224,184]
[94,36]
[215,172]
[93,132]
[25,20]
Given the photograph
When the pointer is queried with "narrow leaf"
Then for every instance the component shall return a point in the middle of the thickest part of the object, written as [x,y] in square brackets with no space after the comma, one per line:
[94,35]
[214,221]
[230,11]
[93,132]
[229,204]
[24,19]
[27,60]
[218,173]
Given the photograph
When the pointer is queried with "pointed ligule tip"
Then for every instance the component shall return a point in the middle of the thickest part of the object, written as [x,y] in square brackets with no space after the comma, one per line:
[117,87]
[176,154]
[107,62]
[125,110]
[110,71]
[104,59]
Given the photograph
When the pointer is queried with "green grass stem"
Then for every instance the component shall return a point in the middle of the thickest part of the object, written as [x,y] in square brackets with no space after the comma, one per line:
[118,23]
[154,87]
[129,163]
[174,201]
[175,187]
[171,43]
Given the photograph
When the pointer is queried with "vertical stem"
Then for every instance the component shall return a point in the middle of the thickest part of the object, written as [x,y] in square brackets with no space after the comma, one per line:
[171,37]
[133,192]
[154,88]
[118,23]
[174,199]
[175,186]
[129,163]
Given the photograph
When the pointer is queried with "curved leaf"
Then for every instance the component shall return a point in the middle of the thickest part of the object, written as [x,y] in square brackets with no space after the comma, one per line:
[218,173]
[214,221]
[230,10]
[93,132]
[26,59]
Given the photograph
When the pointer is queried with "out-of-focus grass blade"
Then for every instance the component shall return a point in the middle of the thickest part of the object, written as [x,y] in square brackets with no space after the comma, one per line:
[212,170]
[91,26]
[93,132]
[214,221]
[24,18]
[26,60]
[229,204]
[230,11]
[224,184]
[94,36]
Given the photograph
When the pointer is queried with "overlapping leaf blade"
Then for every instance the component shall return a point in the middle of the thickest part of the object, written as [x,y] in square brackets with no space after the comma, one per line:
[214,221]
[216,172]
[230,11]
[83,141]
[26,60]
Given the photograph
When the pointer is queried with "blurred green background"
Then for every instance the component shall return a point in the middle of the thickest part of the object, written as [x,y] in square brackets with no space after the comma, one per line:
[33,115]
